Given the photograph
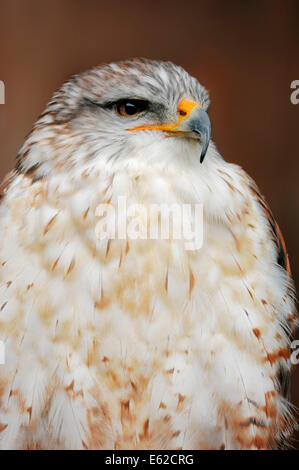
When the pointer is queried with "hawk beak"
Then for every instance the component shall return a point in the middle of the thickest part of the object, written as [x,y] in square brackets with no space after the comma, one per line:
[199,125]
[192,121]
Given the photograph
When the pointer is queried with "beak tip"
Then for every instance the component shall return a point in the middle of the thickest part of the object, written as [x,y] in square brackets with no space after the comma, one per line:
[202,155]
[201,125]
[205,141]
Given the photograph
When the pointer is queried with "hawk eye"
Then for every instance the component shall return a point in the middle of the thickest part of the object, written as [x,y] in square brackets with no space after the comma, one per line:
[132,107]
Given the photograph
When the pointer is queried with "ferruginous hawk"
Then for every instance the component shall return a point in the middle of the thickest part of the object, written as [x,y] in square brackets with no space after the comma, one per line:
[123,343]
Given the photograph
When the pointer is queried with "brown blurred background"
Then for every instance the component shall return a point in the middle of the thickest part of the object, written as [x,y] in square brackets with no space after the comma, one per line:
[245,52]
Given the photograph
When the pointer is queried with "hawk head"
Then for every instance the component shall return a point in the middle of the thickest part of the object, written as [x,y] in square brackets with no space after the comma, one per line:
[126,106]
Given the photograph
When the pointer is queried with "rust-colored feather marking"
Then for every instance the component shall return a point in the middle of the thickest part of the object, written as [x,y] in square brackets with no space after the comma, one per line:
[237,242]
[250,293]
[49,224]
[3,426]
[257,332]
[102,302]
[270,407]
[29,411]
[54,264]
[124,410]
[70,387]
[191,282]
[71,267]
[166,282]
[85,213]
[108,247]
[145,433]
[181,399]
[120,260]
[282,353]
[84,445]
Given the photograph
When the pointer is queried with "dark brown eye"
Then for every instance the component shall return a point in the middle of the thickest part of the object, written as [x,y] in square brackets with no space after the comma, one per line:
[129,108]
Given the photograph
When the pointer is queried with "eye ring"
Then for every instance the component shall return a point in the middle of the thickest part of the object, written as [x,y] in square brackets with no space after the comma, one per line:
[130,107]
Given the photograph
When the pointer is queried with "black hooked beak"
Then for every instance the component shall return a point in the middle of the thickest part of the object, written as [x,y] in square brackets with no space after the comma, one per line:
[199,124]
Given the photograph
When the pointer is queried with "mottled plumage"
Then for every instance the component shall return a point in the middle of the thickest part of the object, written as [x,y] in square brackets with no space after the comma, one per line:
[138,344]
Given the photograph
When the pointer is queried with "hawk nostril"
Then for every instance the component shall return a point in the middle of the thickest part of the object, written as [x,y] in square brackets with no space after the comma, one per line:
[182,112]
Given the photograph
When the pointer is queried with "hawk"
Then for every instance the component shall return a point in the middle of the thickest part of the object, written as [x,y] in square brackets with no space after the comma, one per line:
[139,343]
